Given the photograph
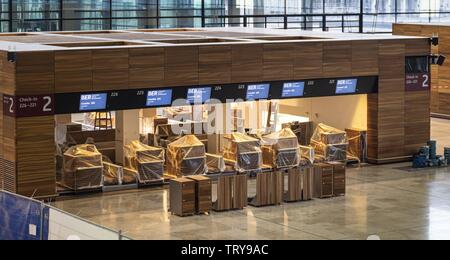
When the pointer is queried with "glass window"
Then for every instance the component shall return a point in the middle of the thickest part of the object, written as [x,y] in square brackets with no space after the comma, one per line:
[85,24]
[181,13]
[34,15]
[35,25]
[78,9]
[342,6]
[140,23]
[134,8]
[378,23]
[35,9]
[4,9]
[340,15]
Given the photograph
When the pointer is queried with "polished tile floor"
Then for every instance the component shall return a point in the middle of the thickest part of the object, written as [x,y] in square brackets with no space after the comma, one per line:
[387,201]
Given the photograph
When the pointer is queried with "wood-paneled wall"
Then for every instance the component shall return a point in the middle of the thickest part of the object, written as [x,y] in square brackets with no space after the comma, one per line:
[440,75]
[35,156]
[1,145]
[97,70]
[398,122]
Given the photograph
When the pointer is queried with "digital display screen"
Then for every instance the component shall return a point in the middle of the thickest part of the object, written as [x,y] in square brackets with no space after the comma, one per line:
[198,95]
[258,91]
[90,102]
[159,98]
[346,86]
[293,89]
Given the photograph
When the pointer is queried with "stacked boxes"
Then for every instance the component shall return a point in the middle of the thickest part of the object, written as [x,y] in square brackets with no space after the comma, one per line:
[330,143]
[146,161]
[433,153]
[83,168]
[427,156]
[186,156]
[243,151]
[280,149]
[447,155]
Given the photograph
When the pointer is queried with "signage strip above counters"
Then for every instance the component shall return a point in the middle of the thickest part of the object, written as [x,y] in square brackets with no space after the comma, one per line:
[68,103]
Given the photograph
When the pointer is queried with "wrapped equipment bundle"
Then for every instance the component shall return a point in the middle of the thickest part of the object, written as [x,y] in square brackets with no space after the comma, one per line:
[146,161]
[186,156]
[281,149]
[243,151]
[83,168]
[330,143]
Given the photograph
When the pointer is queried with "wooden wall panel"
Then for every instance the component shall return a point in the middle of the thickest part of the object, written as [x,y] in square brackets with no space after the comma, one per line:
[444,39]
[364,62]
[337,58]
[247,63]
[417,120]
[391,100]
[1,143]
[419,47]
[308,60]
[391,127]
[35,149]
[372,126]
[146,67]
[73,71]
[392,62]
[9,154]
[110,69]
[35,73]
[214,64]
[7,74]
[440,75]
[181,66]
[278,62]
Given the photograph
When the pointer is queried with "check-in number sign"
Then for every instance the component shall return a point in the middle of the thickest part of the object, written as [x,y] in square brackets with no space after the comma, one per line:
[27,106]
[417,81]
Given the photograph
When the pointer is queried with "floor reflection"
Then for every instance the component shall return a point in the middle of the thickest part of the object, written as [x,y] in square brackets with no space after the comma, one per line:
[385,201]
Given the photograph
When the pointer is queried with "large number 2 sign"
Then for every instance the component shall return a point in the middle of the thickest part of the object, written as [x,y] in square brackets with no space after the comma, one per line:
[47,104]
[11,105]
[426,81]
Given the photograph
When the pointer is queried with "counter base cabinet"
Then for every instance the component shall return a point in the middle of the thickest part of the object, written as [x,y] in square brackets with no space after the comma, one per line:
[182,197]
[339,181]
[269,189]
[224,194]
[231,192]
[300,184]
[323,181]
[307,174]
[240,191]
[294,186]
[203,189]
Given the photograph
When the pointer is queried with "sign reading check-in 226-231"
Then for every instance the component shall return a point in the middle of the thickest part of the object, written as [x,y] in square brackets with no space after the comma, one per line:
[26,106]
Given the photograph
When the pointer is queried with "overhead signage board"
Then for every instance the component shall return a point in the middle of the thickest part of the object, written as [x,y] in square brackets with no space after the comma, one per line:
[116,100]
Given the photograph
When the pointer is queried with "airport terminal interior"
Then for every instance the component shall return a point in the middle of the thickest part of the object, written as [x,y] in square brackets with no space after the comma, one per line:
[225,120]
